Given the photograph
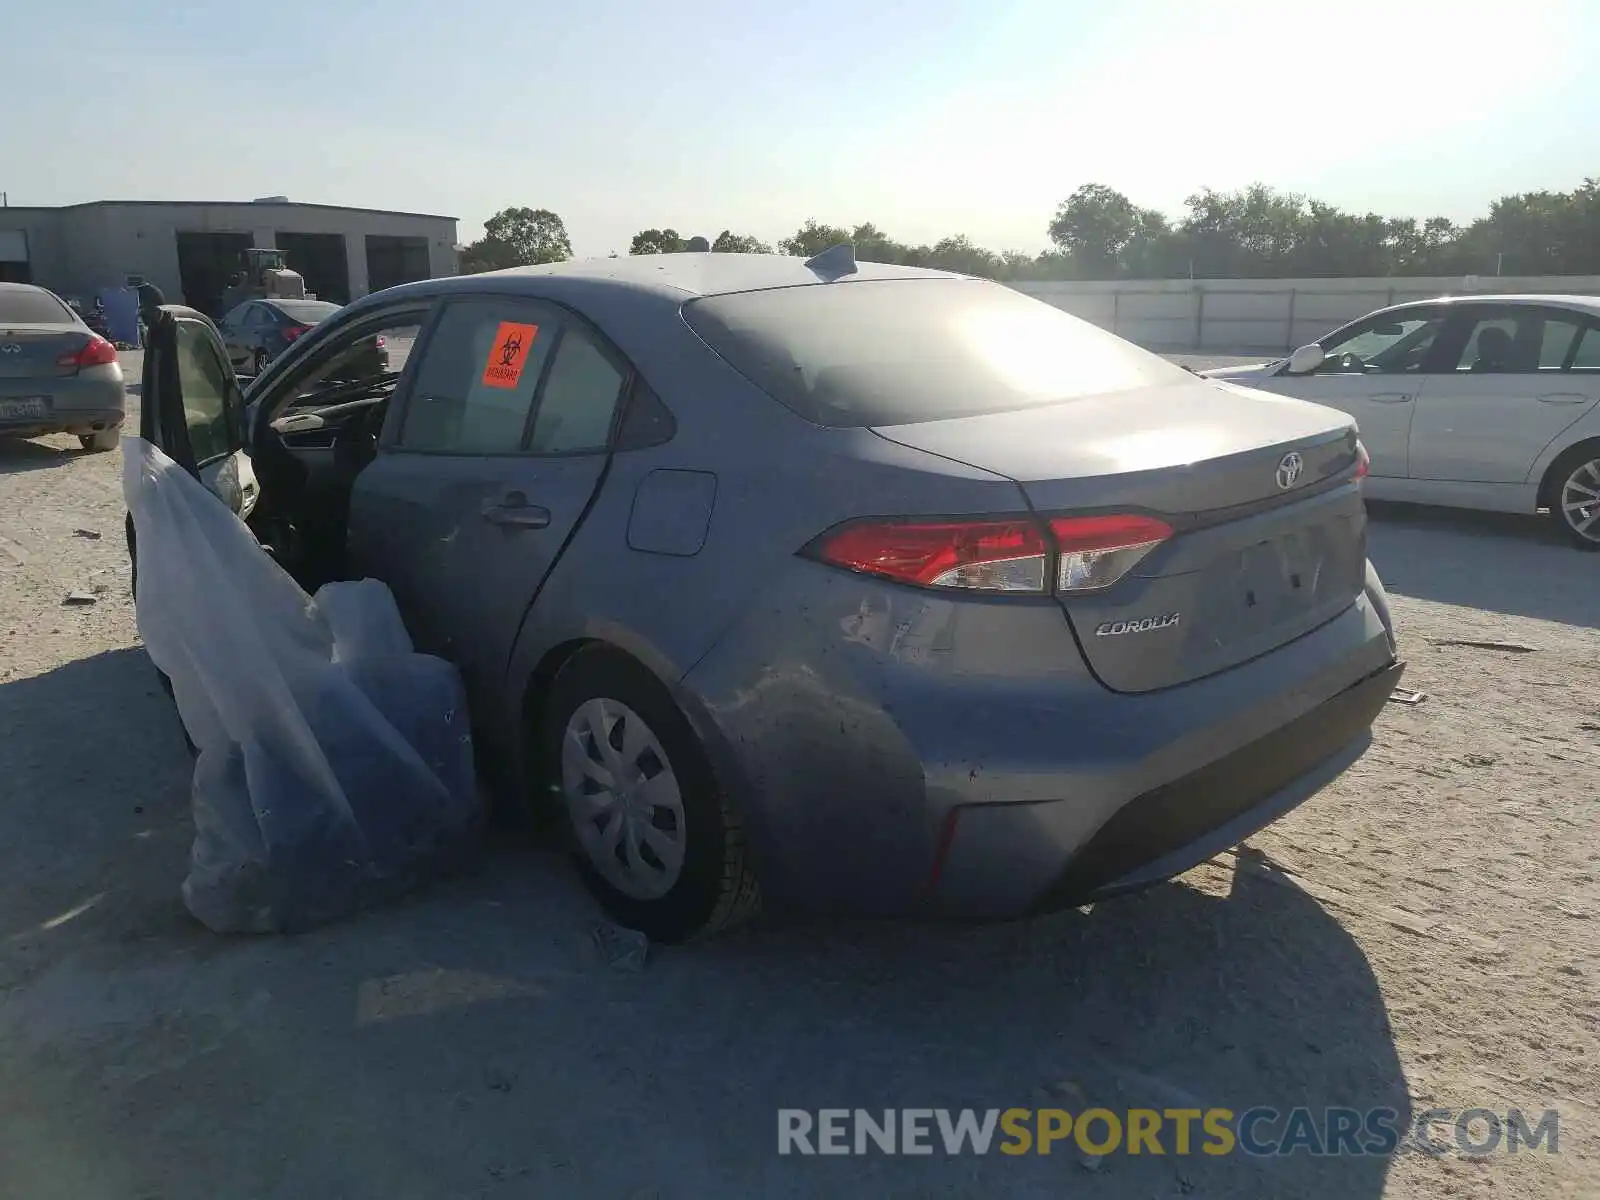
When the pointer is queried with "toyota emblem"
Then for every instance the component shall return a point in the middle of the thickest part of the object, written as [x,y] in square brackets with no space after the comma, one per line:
[1289,468]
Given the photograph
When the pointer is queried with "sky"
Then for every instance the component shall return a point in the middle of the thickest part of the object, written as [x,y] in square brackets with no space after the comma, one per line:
[928,119]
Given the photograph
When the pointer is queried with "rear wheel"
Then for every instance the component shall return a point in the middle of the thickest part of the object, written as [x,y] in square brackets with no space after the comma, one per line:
[651,834]
[100,440]
[1574,495]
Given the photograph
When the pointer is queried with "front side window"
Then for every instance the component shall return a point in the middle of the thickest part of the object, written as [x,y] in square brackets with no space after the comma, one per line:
[205,383]
[474,386]
[357,364]
[1389,345]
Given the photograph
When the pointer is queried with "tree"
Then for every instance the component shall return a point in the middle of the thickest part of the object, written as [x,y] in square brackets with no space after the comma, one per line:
[728,242]
[518,237]
[960,254]
[656,241]
[1100,230]
[811,239]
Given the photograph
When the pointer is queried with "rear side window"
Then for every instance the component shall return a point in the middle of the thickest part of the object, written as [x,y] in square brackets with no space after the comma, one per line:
[32,306]
[894,352]
[1588,356]
[475,383]
[579,399]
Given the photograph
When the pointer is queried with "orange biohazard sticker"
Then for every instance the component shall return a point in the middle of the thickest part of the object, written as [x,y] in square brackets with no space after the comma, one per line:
[508,354]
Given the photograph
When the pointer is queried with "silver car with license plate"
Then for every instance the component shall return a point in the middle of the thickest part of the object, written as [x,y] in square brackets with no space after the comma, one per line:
[56,374]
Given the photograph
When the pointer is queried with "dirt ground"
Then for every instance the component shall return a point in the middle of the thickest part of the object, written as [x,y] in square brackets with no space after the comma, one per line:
[1425,933]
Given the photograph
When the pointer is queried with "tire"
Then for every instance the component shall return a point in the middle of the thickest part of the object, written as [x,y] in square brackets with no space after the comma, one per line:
[1573,494]
[624,842]
[104,439]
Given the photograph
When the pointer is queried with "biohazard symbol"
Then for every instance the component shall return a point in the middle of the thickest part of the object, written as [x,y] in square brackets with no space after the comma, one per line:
[508,354]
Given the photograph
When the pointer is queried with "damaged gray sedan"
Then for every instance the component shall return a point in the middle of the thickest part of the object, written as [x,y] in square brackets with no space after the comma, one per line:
[834,586]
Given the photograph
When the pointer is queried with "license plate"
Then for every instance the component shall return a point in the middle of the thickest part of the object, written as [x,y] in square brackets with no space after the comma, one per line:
[23,408]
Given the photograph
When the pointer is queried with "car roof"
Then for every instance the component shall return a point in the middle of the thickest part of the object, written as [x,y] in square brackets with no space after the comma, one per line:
[1586,304]
[26,287]
[708,274]
[677,277]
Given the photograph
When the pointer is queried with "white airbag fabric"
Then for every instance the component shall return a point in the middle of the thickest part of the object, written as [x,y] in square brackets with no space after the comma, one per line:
[335,763]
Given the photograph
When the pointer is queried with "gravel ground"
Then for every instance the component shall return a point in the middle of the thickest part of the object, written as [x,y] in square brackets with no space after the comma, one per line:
[1425,933]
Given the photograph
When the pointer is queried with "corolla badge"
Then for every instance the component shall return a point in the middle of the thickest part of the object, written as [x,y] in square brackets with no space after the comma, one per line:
[1136,625]
[1289,468]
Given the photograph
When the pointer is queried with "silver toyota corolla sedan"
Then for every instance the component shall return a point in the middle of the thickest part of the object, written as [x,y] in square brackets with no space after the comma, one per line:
[837,586]
[56,374]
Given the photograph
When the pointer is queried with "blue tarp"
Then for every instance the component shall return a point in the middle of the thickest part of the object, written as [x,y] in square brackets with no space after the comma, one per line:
[122,314]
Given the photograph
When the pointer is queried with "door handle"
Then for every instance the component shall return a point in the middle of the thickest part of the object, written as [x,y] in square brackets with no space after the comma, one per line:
[516,512]
[1566,398]
[1391,398]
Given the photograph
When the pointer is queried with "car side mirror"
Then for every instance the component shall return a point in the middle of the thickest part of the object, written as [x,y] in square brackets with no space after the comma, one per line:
[1306,360]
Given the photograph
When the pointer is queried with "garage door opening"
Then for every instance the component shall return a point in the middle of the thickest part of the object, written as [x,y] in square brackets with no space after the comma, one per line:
[14,266]
[206,262]
[320,258]
[395,260]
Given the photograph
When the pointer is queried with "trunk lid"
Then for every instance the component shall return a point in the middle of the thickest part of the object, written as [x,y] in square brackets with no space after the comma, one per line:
[1251,565]
[31,351]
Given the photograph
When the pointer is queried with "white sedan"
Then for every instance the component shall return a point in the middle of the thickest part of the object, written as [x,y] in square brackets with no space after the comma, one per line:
[1486,402]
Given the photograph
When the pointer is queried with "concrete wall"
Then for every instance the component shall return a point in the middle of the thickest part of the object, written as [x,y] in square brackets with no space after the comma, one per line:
[80,249]
[1265,316]
[41,231]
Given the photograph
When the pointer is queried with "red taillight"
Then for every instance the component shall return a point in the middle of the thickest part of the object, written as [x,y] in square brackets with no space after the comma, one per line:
[997,555]
[97,352]
[379,342]
[1363,462]
[1098,551]
[1006,555]
[290,332]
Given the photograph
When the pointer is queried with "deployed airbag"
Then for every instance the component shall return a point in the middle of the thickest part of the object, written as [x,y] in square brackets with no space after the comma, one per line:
[334,763]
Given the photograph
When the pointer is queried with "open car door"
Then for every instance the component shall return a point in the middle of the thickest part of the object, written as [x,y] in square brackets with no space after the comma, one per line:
[191,405]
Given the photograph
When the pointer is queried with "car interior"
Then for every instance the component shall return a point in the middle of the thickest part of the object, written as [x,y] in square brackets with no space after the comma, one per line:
[307,456]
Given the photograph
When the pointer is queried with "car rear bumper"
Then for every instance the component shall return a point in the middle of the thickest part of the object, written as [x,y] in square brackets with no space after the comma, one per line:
[1002,857]
[85,404]
[896,752]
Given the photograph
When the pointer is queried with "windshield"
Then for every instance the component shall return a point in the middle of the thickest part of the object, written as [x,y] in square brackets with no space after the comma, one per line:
[32,306]
[892,352]
[307,312]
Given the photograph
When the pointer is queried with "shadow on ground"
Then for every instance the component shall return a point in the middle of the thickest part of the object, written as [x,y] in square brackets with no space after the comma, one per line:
[18,455]
[1499,562]
[471,1041]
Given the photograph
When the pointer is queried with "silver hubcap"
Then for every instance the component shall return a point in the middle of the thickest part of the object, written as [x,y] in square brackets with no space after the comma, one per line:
[1580,501]
[623,799]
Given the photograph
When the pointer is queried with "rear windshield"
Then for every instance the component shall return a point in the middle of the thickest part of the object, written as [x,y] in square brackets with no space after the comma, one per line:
[308,312]
[32,306]
[894,352]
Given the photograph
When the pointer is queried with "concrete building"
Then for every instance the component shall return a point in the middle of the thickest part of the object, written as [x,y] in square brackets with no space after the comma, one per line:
[190,249]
